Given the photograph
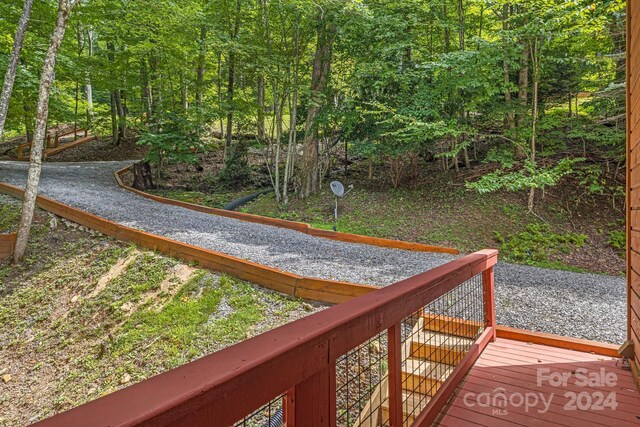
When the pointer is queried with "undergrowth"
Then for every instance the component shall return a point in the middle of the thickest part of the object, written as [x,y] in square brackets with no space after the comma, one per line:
[538,243]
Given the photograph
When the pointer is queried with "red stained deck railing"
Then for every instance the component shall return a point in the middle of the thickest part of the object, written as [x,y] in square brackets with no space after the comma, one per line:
[296,364]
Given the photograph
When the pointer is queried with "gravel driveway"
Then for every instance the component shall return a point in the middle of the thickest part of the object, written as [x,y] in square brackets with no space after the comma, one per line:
[580,305]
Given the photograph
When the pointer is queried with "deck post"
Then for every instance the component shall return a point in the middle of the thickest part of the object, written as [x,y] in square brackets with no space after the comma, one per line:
[313,401]
[395,375]
[488,285]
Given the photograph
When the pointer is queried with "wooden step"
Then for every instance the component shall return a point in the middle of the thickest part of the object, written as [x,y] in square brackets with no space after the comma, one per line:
[424,376]
[450,325]
[438,347]
[412,405]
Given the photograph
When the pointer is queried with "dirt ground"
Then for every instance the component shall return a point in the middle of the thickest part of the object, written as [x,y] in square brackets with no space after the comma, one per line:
[85,315]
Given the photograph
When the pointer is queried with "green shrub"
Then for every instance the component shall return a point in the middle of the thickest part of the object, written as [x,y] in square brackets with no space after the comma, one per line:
[236,172]
[537,243]
[9,216]
[617,239]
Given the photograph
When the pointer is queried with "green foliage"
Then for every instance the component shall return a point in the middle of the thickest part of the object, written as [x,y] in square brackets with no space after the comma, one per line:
[9,216]
[618,239]
[538,243]
[503,155]
[530,176]
[236,172]
[175,141]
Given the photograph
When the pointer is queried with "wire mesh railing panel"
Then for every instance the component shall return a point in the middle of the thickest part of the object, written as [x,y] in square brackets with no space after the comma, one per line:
[269,415]
[435,339]
[361,384]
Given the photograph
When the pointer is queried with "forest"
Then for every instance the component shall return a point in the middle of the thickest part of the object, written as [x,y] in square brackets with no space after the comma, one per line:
[502,96]
[166,170]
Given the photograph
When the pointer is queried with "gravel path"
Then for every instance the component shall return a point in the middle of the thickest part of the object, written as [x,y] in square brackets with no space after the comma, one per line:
[580,305]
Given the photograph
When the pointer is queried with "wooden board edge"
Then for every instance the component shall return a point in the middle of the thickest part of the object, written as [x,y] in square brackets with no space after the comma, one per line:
[635,372]
[293,225]
[559,341]
[7,243]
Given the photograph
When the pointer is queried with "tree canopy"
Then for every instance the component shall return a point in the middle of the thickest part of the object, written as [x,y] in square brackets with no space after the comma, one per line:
[391,81]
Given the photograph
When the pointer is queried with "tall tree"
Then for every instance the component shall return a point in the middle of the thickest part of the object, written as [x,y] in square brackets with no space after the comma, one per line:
[231,64]
[42,112]
[326,30]
[9,78]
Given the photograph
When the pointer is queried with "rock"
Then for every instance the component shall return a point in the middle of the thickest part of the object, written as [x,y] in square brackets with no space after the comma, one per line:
[4,371]
[53,223]
[125,379]
[6,378]
[75,298]
[127,306]
[307,306]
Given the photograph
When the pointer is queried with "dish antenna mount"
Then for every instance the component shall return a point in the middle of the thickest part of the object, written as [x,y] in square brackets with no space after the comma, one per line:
[338,191]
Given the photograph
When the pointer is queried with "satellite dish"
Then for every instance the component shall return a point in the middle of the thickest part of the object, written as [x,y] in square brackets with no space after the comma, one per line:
[337,188]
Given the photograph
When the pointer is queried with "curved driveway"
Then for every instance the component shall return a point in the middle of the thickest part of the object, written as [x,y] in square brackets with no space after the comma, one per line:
[575,304]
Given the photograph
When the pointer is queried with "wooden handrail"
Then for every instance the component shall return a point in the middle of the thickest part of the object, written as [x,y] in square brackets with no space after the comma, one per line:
[55,147]
[299,357]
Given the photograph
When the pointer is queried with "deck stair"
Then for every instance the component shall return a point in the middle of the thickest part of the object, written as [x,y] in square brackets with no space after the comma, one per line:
[431,351]
[54,143]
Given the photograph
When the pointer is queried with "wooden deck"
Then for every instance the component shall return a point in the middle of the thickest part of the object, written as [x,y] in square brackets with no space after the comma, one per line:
[510,373]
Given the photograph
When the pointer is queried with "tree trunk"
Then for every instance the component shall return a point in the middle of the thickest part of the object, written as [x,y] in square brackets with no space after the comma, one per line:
[155,97]
[231,77]
[35,161]
[293,122]
[145,89]
[278,118]
[118,118]
[122,115]
[523,83]
[201,64]
[142,178]
[230,83]
[260,106]
[220,93]
[89,87]
[509,117]
[115,135]
[319,81]
[535,59]
[447,35]
[461,24]
[10,76]
[27,116]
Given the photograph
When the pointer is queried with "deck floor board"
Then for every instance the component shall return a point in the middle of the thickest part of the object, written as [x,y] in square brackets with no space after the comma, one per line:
[523,371]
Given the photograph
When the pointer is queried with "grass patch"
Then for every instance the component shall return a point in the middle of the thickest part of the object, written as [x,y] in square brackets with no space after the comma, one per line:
[209,312]
[9,214]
